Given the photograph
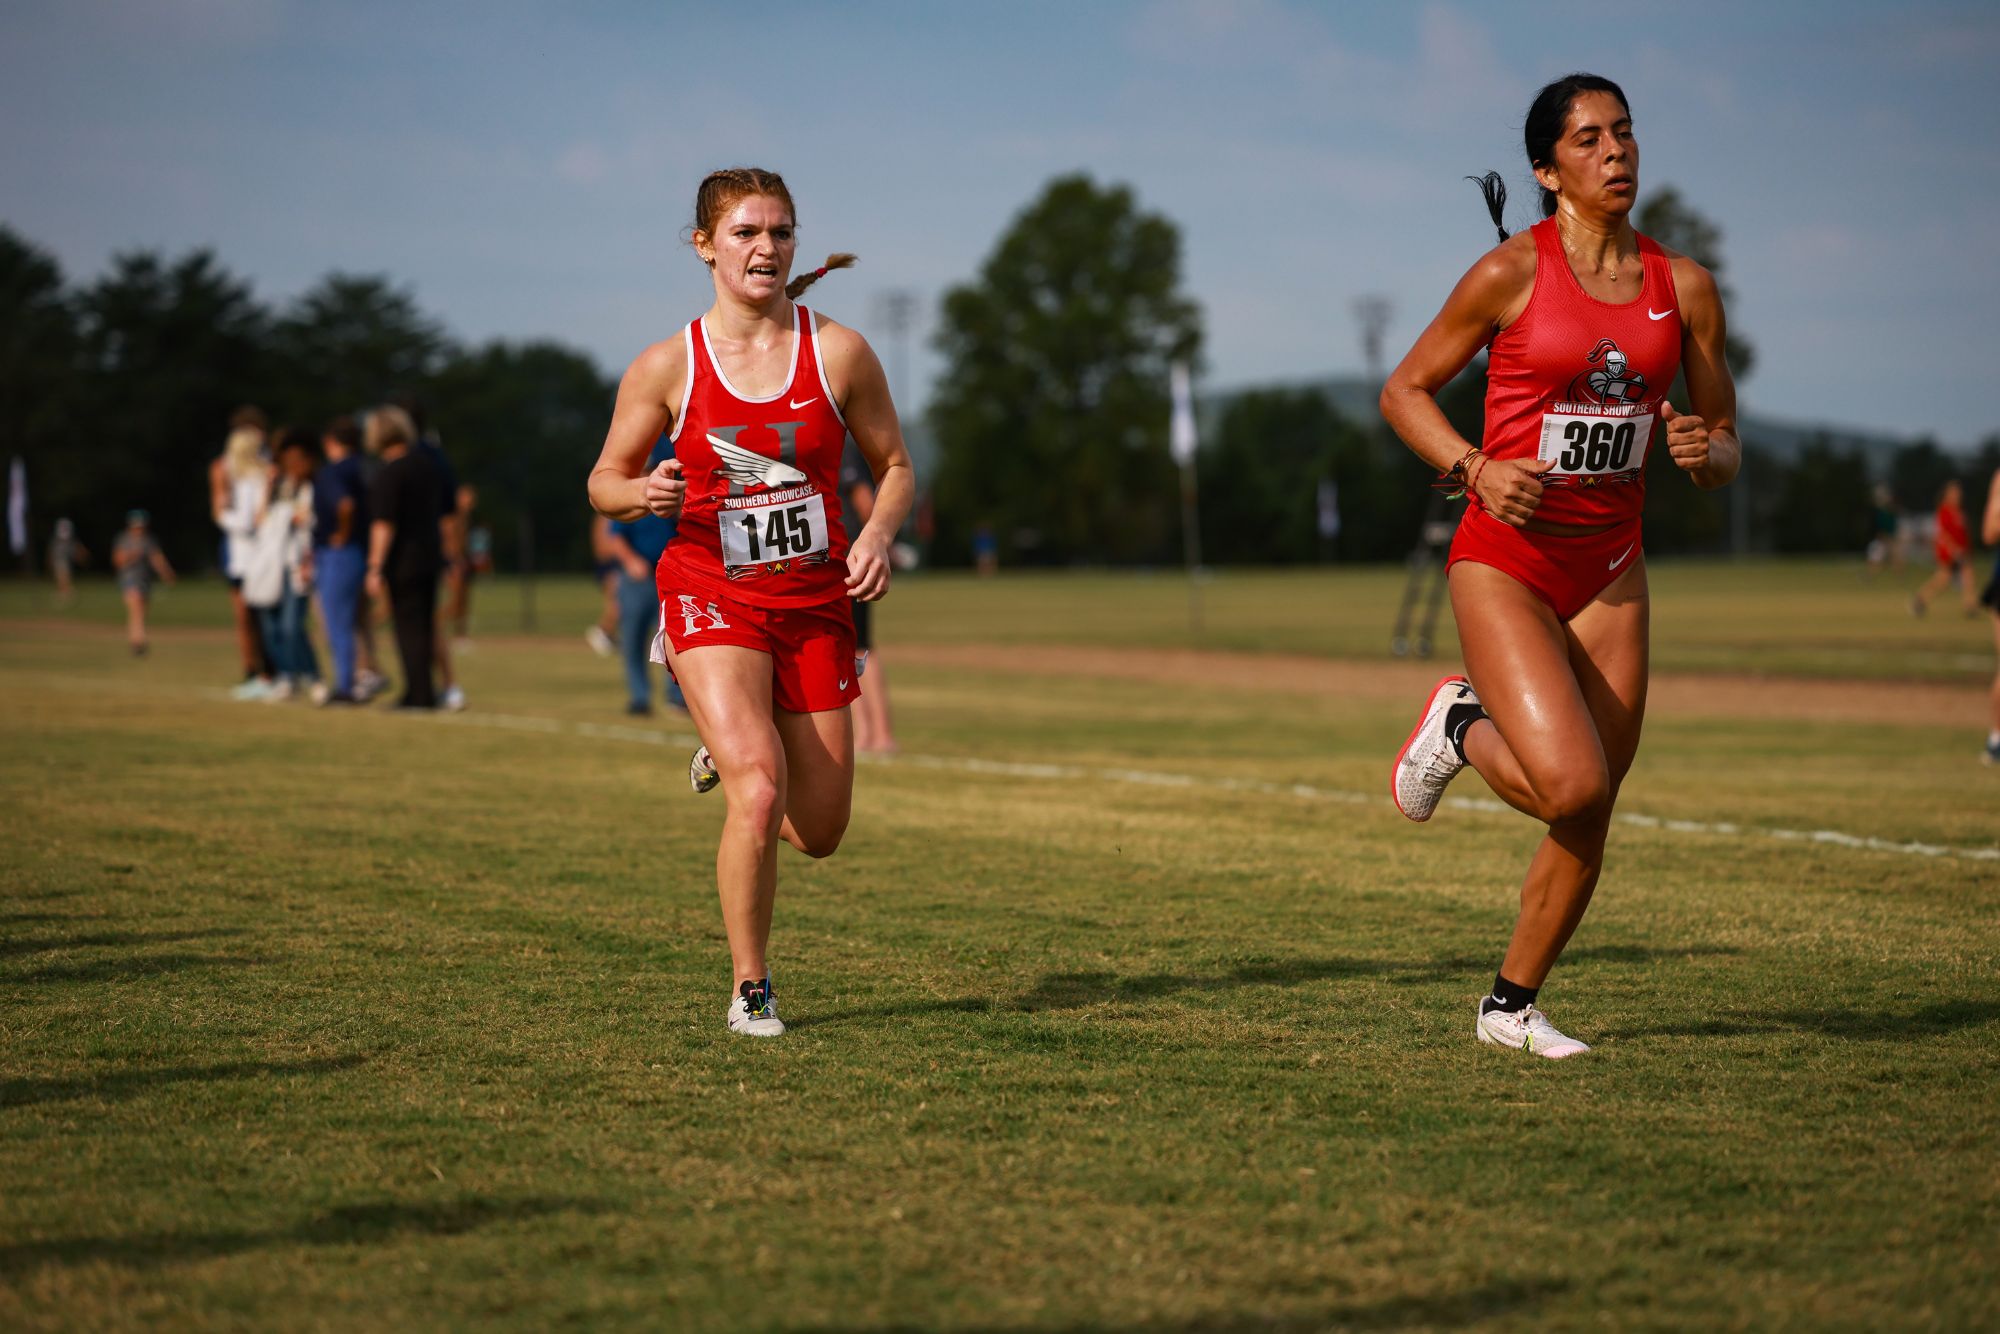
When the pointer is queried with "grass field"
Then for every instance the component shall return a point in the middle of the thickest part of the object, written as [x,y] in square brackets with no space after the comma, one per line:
[1129,1004]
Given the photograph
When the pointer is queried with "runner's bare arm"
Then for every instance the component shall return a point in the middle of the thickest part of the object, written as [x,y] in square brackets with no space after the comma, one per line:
[1989,527]
[1703,440]
[1491,295]
[871,419]
[621,486]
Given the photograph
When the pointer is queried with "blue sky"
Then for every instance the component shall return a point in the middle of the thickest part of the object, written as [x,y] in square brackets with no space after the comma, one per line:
[528,168]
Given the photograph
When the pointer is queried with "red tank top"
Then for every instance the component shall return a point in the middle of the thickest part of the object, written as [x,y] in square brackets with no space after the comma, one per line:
[1579,382]
[761,520]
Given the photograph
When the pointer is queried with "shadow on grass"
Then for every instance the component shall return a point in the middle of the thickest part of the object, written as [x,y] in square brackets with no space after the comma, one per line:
[128,970]
[1075,990]
[349,1224]
[120,1084]
[1928,1021]
[1432,1310]
[102,939]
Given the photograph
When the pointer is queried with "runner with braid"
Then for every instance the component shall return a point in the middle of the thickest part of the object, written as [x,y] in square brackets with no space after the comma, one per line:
[758,396]
[1587,323]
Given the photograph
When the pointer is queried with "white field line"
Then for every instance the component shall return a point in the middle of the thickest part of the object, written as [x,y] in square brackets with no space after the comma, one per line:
[1070,773]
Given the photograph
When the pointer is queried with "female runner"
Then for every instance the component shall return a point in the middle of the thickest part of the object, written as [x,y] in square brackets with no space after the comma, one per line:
[1587,323]
[758,395]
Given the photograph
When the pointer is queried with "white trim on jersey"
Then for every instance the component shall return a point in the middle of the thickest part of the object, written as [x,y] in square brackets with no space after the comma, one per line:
[819,365]
[723,376]
[687,390]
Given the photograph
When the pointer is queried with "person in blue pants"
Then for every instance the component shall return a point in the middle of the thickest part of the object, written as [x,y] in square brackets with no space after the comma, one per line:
[637,544]
[340,549]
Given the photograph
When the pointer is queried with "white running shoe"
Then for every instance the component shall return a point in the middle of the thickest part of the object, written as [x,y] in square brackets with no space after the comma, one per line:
[452,701]
[600,643]
[702,776]
[280,691]
[367,685]
[754,1012]
[1526,1030]
[321,692]
[255,687]
[1428,761]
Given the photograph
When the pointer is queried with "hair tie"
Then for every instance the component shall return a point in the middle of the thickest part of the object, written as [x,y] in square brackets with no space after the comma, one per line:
[820,272]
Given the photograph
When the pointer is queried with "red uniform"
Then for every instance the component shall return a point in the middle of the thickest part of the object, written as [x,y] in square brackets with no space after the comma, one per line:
[1577,382]
[1952,541]
[760,557]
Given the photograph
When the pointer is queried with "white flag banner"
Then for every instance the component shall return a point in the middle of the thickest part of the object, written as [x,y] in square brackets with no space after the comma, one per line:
[1181,437]
[17,507]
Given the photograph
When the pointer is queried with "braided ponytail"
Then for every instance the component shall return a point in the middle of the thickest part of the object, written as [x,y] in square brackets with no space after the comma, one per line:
[799,284]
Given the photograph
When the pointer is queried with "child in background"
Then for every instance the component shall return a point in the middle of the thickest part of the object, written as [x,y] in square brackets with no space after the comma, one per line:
[138,560]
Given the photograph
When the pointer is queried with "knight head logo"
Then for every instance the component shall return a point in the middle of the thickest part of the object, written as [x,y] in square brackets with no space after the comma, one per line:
[1614,382]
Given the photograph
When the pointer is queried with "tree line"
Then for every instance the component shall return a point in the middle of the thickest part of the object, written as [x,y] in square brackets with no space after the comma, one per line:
[1049,419]
[117,394]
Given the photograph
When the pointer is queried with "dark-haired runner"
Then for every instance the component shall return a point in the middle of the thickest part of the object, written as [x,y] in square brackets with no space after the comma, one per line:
[758,395]
[1588,323]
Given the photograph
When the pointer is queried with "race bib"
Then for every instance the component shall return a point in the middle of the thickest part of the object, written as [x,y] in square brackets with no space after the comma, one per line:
[776,533]
[1593,446]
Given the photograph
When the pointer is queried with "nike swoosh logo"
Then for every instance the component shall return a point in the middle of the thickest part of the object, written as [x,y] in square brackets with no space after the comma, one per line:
[1620,560]
[843,683]
[815,398]
[1651,314]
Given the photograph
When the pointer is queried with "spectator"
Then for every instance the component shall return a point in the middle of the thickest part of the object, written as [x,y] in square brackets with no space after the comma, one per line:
[874,730]
[237,482]
[65,554]
[138,560]
[275,576]
[635,545]
[405,546]
[340,534]
[454,505]
[604,568]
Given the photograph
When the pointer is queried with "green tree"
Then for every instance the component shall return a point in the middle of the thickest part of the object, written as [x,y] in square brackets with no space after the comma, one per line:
[349,343]
[1051,422]
[38,381]
[169,349]
[1681,517]
[1823,500]
[1918,472]
[1671,221]
[523,423]
[1260,473]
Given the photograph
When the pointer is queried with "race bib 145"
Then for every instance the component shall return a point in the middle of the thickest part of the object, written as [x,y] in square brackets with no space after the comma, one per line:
[780,531]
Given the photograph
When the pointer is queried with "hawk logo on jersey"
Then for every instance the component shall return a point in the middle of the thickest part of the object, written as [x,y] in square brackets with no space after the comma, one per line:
[1617,382]
[751,469]
[695,620]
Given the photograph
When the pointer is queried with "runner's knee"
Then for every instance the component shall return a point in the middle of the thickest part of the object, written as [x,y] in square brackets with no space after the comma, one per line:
[1576,795]
[756,793]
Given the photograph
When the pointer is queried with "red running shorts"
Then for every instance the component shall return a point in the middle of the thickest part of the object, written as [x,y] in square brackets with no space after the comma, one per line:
[811,648]
[1566,572]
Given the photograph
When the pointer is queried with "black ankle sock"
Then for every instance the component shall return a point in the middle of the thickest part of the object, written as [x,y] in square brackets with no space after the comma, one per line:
[1508,997]
[1458,720]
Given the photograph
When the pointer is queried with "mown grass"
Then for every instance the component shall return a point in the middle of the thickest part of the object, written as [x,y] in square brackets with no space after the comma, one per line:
[1818,618]
[358,1021]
